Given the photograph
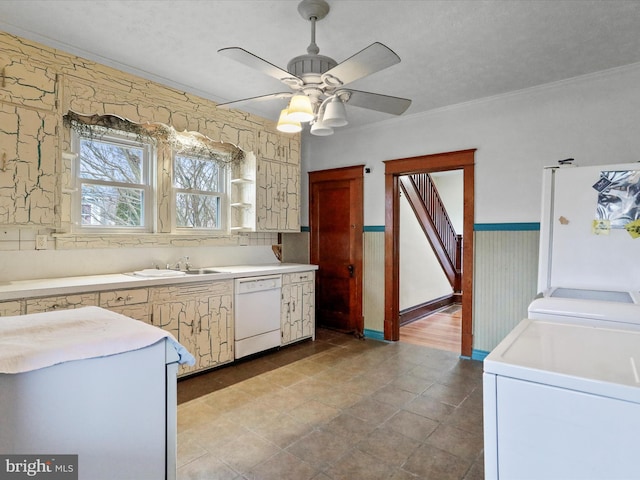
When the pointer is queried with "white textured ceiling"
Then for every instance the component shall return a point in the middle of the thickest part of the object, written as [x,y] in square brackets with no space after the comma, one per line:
[452,51]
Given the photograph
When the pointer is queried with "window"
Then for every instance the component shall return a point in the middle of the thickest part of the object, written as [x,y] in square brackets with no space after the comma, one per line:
[200,186]
[114,183]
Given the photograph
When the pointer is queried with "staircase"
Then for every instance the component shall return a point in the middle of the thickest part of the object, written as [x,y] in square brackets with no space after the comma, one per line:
[432,216]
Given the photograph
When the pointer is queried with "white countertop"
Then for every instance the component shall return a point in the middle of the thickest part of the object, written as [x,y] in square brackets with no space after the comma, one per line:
[92,283]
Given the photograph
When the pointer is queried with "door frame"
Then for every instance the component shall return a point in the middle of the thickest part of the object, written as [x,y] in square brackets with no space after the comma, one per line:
[459,160]
[356,175]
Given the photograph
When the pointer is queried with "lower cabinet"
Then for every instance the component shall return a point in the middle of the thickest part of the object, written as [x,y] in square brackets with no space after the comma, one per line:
[200,316]
[297,319]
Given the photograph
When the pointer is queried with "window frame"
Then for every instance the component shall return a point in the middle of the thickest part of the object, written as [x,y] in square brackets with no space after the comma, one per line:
[148,186]
[223,195]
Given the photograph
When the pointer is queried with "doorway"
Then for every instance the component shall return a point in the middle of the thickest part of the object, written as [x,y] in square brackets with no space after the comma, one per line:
[431,216]
[336,222]
[460,160]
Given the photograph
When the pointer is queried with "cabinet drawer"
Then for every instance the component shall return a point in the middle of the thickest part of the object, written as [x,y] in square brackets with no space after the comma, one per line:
[124,297]
[193,290]
[8,309]
[64,302]
[289,278]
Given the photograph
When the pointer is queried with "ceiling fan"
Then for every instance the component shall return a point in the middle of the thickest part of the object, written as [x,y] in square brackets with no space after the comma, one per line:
[319,83]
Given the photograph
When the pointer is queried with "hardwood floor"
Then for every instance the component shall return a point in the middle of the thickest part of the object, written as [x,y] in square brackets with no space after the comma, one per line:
[439,330]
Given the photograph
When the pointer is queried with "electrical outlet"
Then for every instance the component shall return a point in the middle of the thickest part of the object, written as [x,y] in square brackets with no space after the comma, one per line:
[243,240]
[41,242]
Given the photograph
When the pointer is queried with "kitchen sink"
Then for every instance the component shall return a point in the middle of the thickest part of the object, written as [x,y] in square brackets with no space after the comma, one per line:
[202,271]
[165,273]
[158,273]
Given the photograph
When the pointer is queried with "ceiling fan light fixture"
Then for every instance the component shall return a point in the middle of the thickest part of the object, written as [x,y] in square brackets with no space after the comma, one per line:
[300,108]
[286,124]
[318,81]
[335,115]
[319,128]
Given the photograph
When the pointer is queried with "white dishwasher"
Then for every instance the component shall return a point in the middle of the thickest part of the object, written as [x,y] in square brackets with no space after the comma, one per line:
[257,314]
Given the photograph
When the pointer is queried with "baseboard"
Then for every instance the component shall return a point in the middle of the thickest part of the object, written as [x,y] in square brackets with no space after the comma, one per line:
[412,314]
[478,354]
[374,334]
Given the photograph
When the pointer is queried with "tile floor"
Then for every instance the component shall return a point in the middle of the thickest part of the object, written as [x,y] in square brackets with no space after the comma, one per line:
[336,408]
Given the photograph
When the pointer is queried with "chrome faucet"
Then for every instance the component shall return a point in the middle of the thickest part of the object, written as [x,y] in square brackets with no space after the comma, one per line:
[181,265]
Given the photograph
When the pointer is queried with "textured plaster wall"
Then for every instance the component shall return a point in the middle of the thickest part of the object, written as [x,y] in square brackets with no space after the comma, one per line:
[38,86]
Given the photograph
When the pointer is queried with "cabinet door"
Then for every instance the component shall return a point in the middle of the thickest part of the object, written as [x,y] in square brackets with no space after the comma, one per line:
[10,308]
[278,197]
[165,315]
[193,332]
[298,306]
[200,316]
[267,193]
[206,327]
[61,302]
[291,313]
[290,212]
[308,310]
[220,327]
[27,166]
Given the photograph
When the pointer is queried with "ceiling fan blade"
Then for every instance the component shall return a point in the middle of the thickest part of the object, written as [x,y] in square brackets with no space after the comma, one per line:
[372,59]
[243,56]
[259,98]
[376,101]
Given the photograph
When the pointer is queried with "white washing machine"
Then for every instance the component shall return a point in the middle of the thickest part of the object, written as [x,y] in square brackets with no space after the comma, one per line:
[562,401]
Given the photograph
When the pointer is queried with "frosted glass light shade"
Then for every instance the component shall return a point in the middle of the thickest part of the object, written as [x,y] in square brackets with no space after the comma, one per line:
[320,129]
[335,115]
[286,125]
[300,109]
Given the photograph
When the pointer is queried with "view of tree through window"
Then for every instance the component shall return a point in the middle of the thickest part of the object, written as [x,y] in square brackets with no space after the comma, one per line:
[114,174]
[199,186]
[113,180]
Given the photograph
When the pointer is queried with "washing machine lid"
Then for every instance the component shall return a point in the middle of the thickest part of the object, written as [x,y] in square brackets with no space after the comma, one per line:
[596,295]
[579,308]
[597,360]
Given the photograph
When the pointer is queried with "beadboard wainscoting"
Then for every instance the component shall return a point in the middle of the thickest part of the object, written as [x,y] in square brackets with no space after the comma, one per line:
[373,282]
[506,268]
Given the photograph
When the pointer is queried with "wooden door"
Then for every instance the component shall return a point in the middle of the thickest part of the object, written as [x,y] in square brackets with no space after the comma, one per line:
[336,222]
